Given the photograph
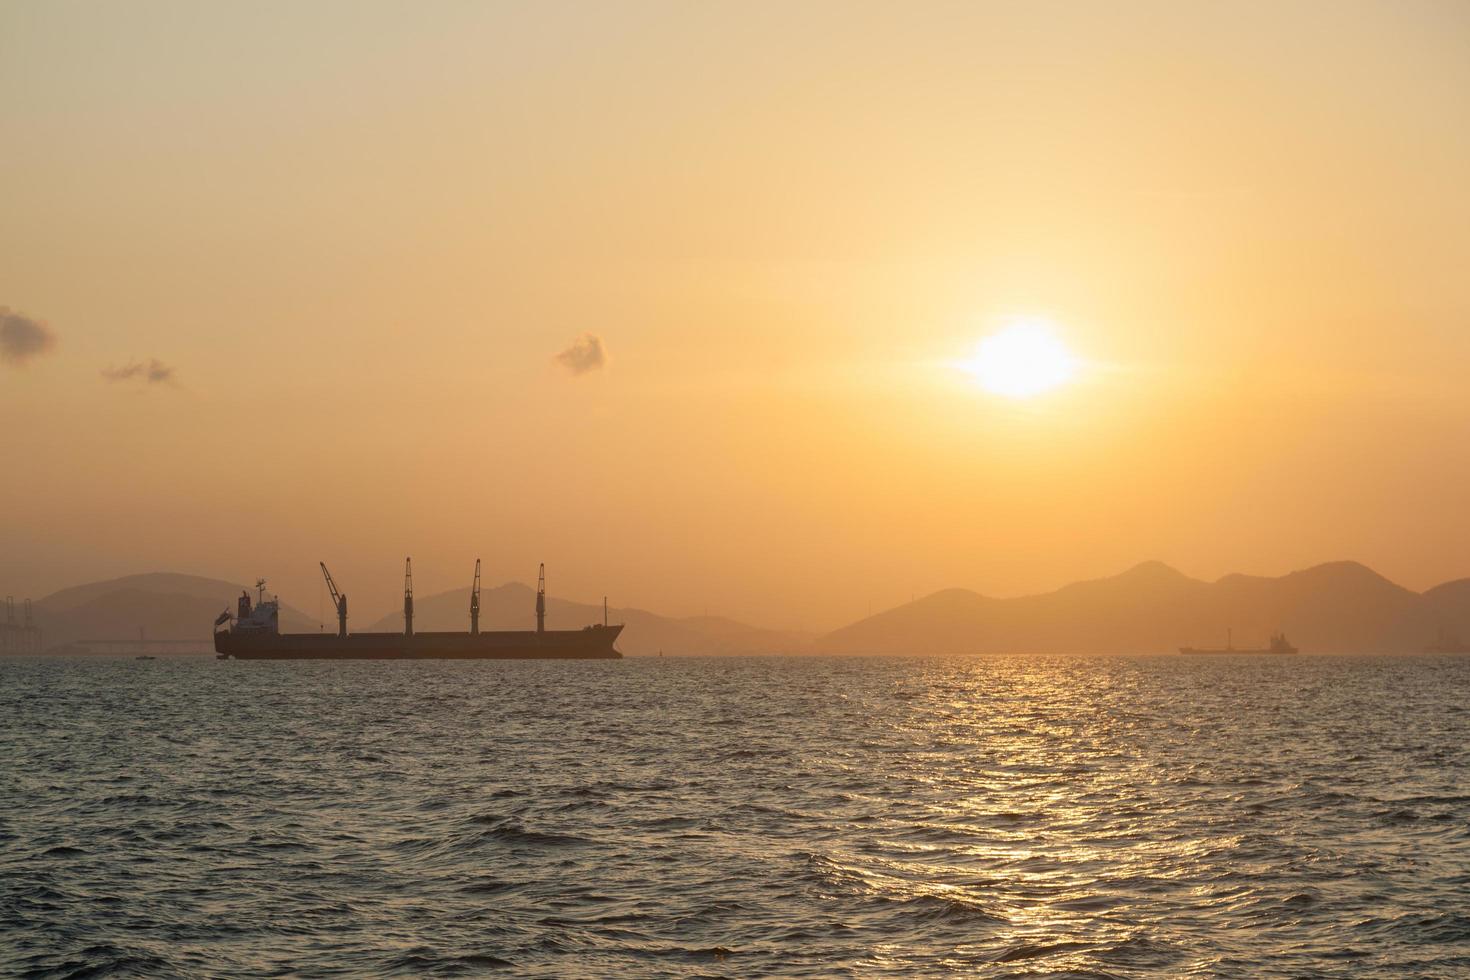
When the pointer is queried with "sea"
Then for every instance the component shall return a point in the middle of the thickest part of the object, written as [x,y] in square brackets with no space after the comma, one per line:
[745,817]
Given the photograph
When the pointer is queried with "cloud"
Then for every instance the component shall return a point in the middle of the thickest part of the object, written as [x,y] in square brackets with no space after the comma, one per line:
[155,372]
[585,354]
[22,338]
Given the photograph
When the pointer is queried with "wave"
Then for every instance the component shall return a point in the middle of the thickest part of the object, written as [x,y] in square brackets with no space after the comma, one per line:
[864,818]
[514,832]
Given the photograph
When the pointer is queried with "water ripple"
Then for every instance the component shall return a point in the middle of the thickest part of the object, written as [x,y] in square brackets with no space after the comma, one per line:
[732,818]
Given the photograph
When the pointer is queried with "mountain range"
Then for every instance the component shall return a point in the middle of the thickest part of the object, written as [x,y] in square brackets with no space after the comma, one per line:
[1339,607]
[163,605]
[170,606]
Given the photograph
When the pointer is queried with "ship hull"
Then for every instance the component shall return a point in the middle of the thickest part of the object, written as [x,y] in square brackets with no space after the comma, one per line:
[1195,652]
[592,643]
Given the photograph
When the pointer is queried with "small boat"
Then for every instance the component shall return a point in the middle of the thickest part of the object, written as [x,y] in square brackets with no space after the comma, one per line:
[1279,645]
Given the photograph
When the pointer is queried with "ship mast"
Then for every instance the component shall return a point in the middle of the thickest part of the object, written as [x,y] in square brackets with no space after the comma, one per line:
[408,597]
[475,602]
[339,601]
[541,600]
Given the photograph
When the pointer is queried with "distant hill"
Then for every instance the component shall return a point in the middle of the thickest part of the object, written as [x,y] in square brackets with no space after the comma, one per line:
[164,583]
[164,605]
[513,606]
[1341,607]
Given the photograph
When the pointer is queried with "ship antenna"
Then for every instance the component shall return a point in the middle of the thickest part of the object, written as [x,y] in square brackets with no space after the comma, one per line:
[475,602]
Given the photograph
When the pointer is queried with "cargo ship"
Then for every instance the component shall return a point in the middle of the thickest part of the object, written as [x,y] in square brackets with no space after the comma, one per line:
[1279,645]
[1448,643]
[253,632]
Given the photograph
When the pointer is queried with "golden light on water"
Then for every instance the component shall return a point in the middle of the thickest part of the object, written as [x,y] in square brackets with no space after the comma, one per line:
[1023,359]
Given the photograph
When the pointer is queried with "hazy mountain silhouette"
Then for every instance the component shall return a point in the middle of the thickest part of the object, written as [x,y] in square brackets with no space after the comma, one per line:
[513,606]
[1340,607]
[166,605]
[167,583]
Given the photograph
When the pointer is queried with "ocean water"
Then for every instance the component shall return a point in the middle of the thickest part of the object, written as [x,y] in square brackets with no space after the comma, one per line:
[1143,817]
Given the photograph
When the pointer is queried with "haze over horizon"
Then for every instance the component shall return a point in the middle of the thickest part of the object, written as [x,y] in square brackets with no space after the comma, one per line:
[689,302]
[447,604]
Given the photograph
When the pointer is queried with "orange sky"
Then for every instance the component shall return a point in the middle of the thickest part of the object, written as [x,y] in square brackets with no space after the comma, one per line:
[358,234]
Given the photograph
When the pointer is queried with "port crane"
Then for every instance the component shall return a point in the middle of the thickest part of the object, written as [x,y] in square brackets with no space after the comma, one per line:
[541,600]
[408,597]
[339,601]
[475,602]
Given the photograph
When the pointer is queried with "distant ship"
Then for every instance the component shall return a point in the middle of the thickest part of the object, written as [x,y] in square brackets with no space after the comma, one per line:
[253,633]
[1448,643]
[1279,644]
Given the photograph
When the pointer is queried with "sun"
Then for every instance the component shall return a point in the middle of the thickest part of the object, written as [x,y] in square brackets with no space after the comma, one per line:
[1021,360]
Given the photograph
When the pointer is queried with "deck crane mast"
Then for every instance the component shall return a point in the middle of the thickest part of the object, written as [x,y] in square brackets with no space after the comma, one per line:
[408,597]
[541,600]
[475,602]
[339,601]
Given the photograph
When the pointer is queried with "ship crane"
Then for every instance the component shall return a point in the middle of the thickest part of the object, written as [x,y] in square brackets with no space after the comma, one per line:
[408,597]
[541,600]
[475,602]
[339,601]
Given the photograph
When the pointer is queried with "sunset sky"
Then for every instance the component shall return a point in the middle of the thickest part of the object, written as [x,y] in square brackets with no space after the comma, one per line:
[288,282]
